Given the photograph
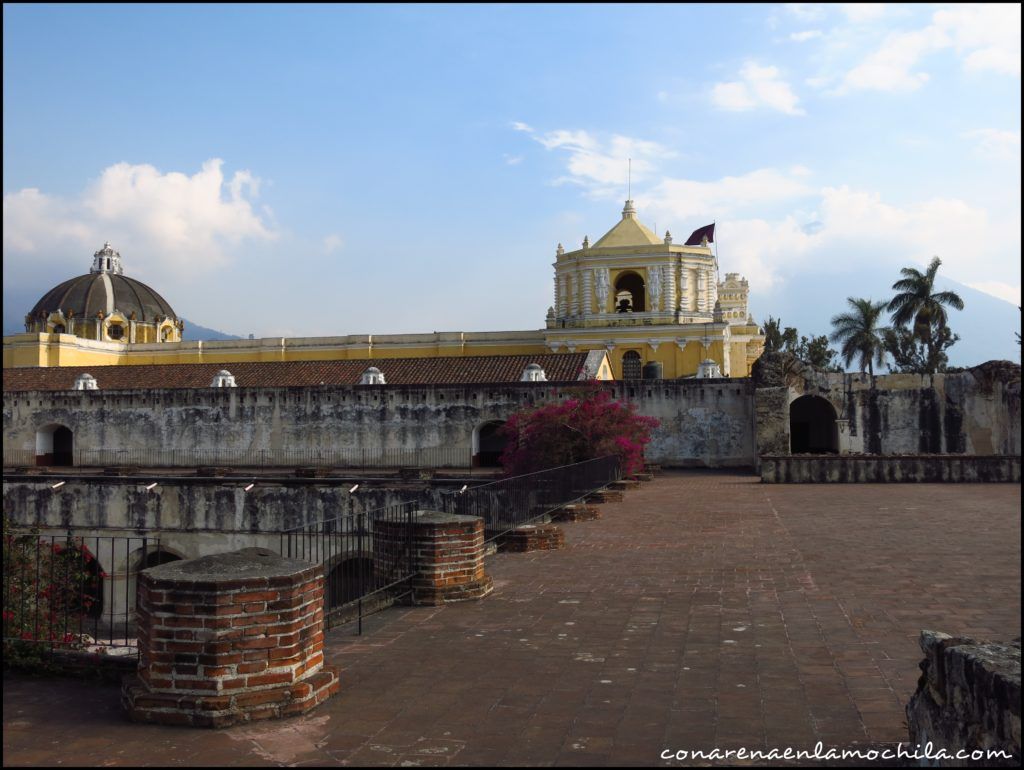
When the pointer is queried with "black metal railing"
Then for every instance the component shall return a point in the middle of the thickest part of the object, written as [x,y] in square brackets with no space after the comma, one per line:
[510,503]
[428,457]
[73,592]
[367,559]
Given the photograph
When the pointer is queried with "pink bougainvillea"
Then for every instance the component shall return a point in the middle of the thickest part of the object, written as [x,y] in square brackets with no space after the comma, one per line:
[586,425]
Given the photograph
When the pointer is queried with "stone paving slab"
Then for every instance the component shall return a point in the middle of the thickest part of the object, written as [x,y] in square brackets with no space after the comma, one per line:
[704,610]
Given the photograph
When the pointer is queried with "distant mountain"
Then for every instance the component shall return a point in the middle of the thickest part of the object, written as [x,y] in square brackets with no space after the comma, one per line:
[19,300]
[197,332]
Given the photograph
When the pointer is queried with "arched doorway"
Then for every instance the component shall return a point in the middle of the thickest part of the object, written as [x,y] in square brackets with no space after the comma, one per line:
[630,296]
[812,426]
[55,445]
[488,444]
[631,365]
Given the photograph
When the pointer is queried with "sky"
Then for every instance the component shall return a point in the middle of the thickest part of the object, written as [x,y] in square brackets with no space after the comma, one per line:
[324,170]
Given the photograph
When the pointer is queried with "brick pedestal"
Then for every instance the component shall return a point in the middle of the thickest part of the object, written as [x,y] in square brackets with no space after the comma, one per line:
[447,555]
[533,537]
[229,638]
[623,484]
[643,476]
[604,496]
[576,512]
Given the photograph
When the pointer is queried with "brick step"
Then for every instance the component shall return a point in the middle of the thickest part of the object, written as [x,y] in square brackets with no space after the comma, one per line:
[544,537]
[604,496]
[576,512]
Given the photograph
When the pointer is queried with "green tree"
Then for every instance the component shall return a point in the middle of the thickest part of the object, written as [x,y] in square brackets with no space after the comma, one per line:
[910,355]
[859,334]
[816,352]
[777,339]
[922,310]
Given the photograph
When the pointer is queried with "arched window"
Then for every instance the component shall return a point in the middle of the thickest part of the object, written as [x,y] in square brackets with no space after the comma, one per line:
[115,331]
[631,365]
[630,296]
[812,426]
[58,328]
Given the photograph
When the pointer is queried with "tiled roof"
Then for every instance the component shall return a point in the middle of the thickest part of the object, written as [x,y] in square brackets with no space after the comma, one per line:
[559,367]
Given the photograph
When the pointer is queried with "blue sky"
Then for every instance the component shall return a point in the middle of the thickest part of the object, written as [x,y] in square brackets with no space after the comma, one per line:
[317,170]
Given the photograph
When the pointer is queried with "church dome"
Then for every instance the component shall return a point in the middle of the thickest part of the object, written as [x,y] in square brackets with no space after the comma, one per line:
[104,289]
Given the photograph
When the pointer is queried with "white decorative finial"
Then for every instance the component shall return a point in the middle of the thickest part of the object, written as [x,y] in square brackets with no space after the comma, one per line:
[586,241]
[629,210]
[106,260]
[560,250]
[533,373]
[85,382]
[668,238]
[372,376]
[223,379]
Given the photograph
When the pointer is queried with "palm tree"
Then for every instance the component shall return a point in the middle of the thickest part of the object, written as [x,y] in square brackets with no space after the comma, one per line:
[860,334]
[918,302]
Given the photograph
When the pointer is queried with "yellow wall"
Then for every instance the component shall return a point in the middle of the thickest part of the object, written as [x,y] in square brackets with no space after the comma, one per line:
[69,350]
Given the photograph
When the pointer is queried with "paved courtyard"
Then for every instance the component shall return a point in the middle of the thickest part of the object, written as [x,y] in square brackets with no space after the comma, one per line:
[705,610]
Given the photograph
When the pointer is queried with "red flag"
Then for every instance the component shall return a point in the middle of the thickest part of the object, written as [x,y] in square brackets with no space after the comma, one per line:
[698,236]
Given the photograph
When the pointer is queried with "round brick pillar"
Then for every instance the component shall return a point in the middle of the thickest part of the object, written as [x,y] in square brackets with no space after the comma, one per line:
[229,638]
[446,553]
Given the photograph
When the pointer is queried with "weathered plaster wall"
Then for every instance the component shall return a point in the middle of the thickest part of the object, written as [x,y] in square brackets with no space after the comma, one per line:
[199,505]
[976,411]
[702,422]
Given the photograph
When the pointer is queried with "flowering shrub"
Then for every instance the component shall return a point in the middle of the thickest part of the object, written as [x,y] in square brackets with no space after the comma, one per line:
[49,587]
[587,425]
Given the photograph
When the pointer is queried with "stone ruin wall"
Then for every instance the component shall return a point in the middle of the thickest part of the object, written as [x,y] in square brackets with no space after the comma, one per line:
[974,412]
[703,423]
[967,699]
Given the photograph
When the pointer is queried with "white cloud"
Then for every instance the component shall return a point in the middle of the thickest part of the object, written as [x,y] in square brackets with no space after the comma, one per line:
[861,13]
[758,87]
[601,165]
[997,144]
[805,11]
[985,37]
[988,36]
[730,195]
[889,68]
[805,35]
[333,243]
[520,126]
[164,224]
[513,160]
[775,220]
[859,225]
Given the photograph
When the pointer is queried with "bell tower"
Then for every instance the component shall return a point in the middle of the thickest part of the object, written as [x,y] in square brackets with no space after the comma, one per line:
[647,299]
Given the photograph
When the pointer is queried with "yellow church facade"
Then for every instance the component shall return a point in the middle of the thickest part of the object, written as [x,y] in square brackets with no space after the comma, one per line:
[646,301]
